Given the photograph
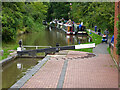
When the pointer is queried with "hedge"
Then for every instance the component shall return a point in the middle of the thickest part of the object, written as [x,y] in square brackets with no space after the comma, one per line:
[118,37]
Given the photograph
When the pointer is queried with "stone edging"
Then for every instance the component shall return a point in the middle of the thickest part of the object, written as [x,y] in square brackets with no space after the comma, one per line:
[25,78]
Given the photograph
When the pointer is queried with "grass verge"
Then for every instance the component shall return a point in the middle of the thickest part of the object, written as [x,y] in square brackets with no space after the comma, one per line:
[108,49]
[6,49]
[85,50]
[95,39]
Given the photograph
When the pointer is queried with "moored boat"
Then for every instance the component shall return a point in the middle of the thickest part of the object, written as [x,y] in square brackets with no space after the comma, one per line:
[69,29]
[82,30]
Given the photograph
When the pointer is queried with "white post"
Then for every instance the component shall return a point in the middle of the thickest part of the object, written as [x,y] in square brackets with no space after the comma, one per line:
[36,47]
[19,49]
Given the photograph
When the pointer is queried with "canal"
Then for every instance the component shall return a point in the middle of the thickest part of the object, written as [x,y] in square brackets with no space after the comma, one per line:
[17,68]
[14,70]
[51,37]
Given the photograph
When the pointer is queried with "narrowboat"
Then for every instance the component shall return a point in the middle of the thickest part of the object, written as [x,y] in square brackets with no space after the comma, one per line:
[82,30]
[68,29]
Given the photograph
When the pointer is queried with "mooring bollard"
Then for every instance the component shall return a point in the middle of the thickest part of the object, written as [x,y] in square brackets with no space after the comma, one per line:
[20,43]
[57,47]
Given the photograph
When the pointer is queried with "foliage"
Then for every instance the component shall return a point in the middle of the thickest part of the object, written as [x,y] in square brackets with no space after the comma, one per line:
[108,49]
[97,39]
[8,46]
[94,13]
[29,15]
[58,10]
[90,50]
[118,37]
[19,15]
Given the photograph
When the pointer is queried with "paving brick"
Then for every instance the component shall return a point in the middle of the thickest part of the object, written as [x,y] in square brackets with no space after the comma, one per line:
[95,72]
[47,76]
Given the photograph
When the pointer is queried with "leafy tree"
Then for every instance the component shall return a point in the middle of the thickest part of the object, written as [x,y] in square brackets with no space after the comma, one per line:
[11,16]
[58,10]
[19,15]
[29,15]
[118,37]
[94,13]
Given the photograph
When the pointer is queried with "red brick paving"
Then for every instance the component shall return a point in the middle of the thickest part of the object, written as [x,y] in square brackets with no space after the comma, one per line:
[47,76]
[95,72]
[73,54]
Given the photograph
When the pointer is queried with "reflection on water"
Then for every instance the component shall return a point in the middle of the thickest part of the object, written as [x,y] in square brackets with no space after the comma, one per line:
[14,70]
[51,37]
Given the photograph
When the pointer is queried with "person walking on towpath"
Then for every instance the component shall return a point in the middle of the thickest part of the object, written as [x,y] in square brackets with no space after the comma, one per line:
[95,28]
[106,32]
[99,31]
[112,39]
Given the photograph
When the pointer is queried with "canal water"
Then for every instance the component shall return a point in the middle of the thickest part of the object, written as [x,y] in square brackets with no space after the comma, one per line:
[14,70]
[51,37]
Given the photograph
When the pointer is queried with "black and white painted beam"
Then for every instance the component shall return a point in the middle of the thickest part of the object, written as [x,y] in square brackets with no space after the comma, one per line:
[54,49]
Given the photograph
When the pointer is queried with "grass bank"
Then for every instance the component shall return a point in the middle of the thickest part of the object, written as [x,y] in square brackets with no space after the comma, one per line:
[8,48]
[95,39]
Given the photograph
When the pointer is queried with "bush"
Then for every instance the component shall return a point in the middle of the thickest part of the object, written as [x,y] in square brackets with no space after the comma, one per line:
[118,38]
[8,34]
[20,16]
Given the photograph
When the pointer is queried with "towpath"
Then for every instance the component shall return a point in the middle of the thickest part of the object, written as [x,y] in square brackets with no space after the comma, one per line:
[76,69]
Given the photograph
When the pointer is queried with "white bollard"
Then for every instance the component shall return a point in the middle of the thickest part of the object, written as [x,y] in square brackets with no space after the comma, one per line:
[19,49]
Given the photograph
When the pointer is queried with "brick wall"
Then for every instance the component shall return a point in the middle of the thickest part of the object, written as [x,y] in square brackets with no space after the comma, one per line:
[117,11]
